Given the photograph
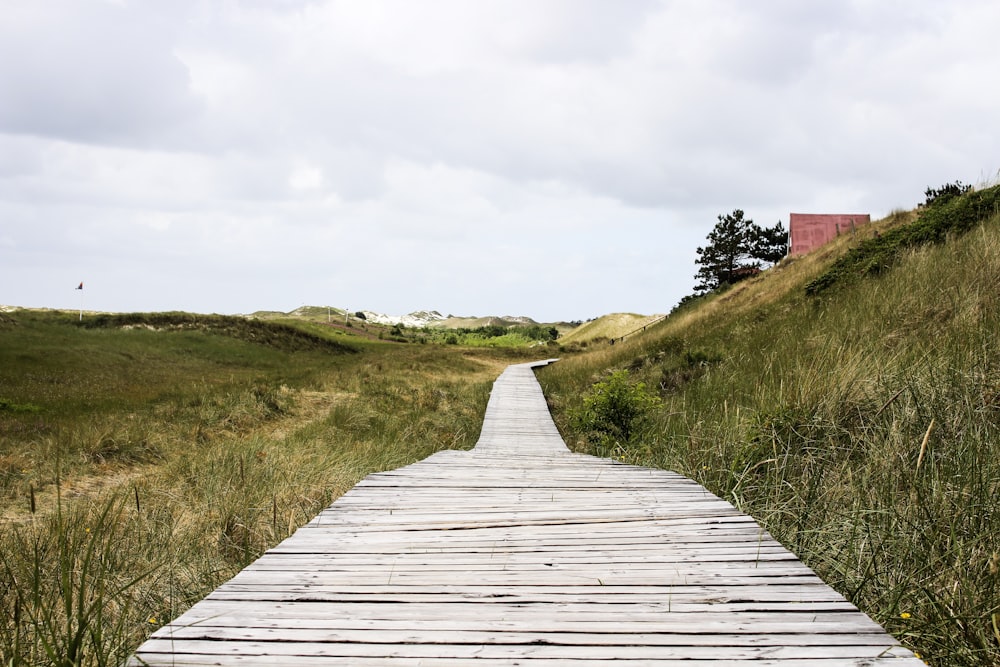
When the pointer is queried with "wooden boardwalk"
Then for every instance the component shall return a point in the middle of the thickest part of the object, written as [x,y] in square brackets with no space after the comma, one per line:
[521,553]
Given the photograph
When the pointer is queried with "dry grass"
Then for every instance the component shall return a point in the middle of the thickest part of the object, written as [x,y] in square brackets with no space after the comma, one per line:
[607,327]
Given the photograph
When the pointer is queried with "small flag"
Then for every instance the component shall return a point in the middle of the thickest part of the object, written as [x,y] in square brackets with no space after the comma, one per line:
[80,286]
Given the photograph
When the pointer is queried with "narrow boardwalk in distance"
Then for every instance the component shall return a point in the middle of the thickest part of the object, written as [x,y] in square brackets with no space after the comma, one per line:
[522,553]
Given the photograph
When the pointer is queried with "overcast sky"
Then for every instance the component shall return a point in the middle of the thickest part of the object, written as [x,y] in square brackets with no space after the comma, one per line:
[559,159]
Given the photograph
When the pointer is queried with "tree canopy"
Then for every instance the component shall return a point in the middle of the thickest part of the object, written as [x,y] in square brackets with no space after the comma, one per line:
[738,249]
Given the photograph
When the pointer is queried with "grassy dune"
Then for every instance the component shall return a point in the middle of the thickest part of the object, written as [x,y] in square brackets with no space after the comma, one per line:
[860,425]
[607,327]
[144,460]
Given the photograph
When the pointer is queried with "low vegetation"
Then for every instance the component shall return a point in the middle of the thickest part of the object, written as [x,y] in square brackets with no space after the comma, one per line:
[949,211]
[612,412]
[860,425]
[501,336]
[495,332]
[145,459]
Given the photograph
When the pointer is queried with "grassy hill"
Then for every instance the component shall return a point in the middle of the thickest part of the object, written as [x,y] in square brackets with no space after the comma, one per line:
[603,329]
[850,401]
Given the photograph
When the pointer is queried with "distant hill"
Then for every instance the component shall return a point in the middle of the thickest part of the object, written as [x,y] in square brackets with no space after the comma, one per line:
[416,319]
[610,326]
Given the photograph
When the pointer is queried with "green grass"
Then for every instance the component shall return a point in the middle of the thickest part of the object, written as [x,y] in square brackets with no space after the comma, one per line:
[145,460]
[861,428]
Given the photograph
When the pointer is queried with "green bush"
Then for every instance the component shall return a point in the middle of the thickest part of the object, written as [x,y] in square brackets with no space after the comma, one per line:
[613,410]
[946,192]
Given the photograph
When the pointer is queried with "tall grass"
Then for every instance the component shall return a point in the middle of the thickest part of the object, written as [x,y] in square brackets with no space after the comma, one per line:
[861,428]
[121,511]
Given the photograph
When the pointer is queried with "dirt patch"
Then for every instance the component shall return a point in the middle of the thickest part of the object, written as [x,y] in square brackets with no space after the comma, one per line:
[73,488]
[310,406]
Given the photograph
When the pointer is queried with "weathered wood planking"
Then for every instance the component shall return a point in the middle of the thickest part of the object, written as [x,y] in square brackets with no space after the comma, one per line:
[522,553]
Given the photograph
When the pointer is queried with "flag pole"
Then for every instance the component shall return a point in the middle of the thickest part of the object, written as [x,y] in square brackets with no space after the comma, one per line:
[80,287]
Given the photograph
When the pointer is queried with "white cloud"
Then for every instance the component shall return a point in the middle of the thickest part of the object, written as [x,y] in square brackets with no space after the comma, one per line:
[305,177]
[560,158]
[91,72]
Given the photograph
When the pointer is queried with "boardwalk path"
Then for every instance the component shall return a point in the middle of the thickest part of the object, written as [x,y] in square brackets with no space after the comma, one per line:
[521,553]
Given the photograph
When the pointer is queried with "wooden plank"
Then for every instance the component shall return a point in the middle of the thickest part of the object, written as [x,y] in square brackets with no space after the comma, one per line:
[519,552]
[430,610]
[533,561]
[408,648]
[639,597]
[700,622]
[189,660]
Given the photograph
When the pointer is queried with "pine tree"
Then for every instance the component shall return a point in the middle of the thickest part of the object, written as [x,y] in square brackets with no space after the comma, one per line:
[727,254]
[736,250]
[770,243]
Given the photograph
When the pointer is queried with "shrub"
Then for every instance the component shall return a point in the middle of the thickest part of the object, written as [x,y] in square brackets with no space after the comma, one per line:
[613,410]
[945,192]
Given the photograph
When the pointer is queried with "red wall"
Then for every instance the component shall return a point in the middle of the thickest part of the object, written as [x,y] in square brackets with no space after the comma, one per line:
[811,230]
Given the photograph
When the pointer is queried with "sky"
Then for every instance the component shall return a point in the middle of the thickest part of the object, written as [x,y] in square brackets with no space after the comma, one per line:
[556,159]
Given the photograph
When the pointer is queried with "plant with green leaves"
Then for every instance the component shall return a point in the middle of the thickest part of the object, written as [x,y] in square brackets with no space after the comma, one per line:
[614,410]
[74,599]
[946,192]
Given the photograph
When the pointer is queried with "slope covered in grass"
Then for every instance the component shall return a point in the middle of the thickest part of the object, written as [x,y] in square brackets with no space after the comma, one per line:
[859,425]
[275,334]
[614,325]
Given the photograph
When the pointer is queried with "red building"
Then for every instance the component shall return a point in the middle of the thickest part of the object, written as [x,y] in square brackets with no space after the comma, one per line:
[809,231]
